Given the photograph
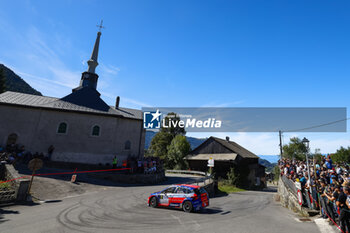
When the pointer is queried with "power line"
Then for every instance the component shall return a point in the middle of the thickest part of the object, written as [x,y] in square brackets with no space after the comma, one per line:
[281,136]
[317,126]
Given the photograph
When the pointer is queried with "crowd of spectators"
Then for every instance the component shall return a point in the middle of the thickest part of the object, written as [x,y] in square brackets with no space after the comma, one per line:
[326,188]
[149,165]
[15,153]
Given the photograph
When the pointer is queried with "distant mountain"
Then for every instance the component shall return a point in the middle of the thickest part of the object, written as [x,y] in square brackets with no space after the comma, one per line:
[194,142]
[270,158]
[16,83]
[269,166]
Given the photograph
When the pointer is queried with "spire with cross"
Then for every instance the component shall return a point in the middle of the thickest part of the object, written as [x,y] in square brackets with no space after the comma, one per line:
[93,60]
[100,26]
[89,77]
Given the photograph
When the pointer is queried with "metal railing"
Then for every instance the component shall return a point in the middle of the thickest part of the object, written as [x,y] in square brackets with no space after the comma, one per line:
[289,184]
[187,172]
[207,178]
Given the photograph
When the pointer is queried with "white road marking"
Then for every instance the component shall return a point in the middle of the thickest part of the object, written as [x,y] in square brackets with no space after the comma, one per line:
[178,219]
[324,226]
[196,224]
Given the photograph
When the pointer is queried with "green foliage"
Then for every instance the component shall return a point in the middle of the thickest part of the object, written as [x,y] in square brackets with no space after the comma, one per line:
[342,155]
[170,144]
[318,156]
[276,171]
[177,151]
[2,81]
[237,176]
[159,145]
[226,187]
[295,149]
[5,186]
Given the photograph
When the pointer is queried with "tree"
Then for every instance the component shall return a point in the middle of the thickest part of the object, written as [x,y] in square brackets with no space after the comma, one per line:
[2,81]
[237,175]
[177,151]
[159,145]
[295,149]
[342,155]
[161,141]
[318,156]
[276,172]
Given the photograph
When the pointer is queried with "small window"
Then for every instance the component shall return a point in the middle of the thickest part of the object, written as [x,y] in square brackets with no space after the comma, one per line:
[62,128]
[183,190]
[95,130]
[169,190]
[127,145]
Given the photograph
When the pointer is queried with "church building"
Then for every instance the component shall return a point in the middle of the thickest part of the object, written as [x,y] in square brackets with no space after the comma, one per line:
[81,127]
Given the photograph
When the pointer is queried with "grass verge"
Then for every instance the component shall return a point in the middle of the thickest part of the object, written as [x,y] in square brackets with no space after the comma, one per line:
[228,188]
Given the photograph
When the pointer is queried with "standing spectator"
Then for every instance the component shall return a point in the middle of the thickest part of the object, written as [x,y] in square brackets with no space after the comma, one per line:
[50,152]
[114,162]
[139,166]
[344,210]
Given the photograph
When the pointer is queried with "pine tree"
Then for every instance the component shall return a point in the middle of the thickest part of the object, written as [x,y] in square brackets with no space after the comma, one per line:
[2,81]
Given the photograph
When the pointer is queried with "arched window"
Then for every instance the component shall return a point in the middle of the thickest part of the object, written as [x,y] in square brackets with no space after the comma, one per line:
[62,128]
[95,131]
[127,145]
[12,139]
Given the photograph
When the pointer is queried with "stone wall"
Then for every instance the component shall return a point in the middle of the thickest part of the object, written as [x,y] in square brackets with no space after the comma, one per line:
[18,187]
[288,199]
[37,130]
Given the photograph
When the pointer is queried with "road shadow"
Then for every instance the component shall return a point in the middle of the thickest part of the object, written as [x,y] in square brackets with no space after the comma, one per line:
[219,193]
[204,211]
[209,211]
[4,212]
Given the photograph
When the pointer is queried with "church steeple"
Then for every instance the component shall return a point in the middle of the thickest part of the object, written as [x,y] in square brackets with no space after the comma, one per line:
[89,78]
[93,60]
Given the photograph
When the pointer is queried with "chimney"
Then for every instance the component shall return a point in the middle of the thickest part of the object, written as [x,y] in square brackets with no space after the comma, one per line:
[117,102]
[227,138]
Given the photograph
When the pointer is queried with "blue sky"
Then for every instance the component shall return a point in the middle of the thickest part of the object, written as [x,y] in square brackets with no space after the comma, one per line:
[189,54]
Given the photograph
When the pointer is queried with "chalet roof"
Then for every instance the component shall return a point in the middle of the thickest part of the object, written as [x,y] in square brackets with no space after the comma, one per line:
[235,148]
[85,101]
[216,157]
[231,146]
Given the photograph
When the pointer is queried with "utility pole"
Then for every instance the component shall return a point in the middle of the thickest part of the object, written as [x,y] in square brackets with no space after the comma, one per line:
[280,135]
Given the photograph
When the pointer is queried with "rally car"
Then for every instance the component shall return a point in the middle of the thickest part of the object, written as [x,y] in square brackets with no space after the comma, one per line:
[182,196]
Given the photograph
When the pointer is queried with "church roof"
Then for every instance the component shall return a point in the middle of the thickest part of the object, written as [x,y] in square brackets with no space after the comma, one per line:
[75,104]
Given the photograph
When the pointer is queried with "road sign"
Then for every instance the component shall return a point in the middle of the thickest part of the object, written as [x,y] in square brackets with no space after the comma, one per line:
[73,179]
[35,164]
[211,162]
[300,197]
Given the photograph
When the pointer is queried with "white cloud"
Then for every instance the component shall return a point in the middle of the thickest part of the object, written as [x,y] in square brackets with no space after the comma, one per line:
[109,69]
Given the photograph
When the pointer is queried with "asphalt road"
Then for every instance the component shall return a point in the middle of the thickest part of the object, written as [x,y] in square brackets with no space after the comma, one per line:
[124,209]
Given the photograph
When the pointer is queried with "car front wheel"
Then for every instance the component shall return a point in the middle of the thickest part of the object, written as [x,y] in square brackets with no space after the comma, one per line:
[187,206]
[153,202]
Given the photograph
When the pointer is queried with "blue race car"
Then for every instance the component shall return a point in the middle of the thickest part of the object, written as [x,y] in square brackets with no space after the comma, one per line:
[182,196]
